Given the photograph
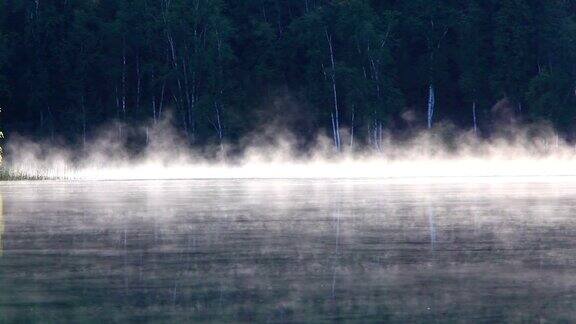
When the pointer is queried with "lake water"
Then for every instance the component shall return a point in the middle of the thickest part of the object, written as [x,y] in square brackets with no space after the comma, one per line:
[287,251]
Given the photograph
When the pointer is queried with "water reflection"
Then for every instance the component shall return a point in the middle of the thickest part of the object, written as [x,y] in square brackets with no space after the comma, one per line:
[431,222]
[287,251]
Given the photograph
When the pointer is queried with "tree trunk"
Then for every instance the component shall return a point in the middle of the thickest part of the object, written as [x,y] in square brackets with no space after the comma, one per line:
[153,96]
[352,128]
[334,137]
[189,93]
[375,134]
[431,104]
[218,126]
[124,78]
[336,123]
[161,104]
[433,49]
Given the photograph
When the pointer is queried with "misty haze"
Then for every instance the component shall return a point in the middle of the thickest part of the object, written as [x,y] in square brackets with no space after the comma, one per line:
[274,161]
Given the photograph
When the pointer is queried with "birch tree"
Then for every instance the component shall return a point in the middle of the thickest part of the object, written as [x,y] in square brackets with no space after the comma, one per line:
[355,69]
[430,22]
[474,81]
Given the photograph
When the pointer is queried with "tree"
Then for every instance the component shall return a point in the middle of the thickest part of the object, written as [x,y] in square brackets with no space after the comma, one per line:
[353,67]
[514,56]
[348,66]
[474,43]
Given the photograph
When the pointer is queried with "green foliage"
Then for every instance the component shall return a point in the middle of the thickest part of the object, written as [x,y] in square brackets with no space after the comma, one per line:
[67,67]
[514,57]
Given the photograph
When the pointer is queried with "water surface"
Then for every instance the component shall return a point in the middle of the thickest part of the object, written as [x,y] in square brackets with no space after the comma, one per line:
[287,251]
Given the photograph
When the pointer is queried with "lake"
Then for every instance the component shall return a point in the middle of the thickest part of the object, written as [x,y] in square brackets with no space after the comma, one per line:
[287,251]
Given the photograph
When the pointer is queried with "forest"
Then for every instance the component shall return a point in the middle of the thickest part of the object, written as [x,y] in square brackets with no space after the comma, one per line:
[222,69]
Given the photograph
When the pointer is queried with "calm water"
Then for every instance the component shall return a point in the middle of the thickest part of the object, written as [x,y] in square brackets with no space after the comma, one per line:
[287,251]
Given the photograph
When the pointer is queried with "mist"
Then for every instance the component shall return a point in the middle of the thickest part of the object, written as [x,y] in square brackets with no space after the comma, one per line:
[444,152]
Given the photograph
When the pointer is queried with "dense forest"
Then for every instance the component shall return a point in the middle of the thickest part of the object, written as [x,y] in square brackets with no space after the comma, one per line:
[224,68]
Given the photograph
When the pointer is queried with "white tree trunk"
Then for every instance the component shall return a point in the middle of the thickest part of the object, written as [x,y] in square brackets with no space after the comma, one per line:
[336,123]
[333,128]
[431,104]
[219,130]
[352,128]
[376,135]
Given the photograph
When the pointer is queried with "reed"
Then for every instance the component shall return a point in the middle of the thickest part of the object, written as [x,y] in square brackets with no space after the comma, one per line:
[7,174]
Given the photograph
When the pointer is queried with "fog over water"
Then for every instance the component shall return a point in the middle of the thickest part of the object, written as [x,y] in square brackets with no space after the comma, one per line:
[310,161]
[529,151]
[441,226]
[287,251]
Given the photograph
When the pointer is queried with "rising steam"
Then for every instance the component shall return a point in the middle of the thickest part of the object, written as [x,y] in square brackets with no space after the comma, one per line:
[443,153]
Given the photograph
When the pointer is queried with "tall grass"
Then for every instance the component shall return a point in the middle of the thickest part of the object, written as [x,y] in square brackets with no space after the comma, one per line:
[7,174]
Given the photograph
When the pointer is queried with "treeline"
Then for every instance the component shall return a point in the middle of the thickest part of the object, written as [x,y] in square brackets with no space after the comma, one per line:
[224,68]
